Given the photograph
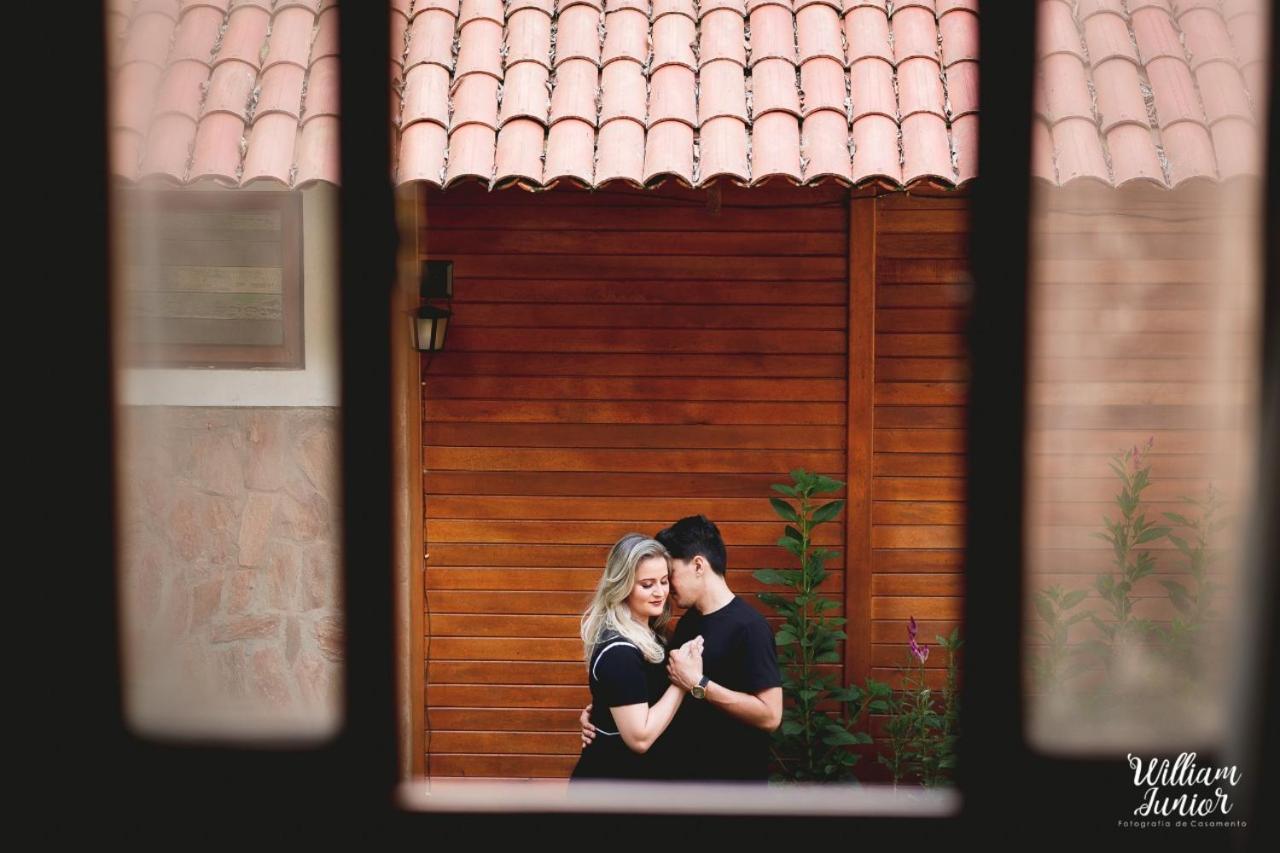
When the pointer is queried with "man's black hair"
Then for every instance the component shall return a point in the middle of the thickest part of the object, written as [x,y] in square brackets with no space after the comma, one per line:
[695,536]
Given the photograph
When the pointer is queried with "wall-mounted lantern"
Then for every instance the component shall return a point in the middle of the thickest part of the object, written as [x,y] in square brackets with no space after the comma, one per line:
[432,324]
[432,321]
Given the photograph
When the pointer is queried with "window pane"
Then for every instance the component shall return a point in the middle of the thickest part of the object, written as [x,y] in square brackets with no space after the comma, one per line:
[1144,350]
[224,309]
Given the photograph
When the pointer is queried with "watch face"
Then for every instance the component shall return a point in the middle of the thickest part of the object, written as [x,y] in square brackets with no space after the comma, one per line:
[697,691]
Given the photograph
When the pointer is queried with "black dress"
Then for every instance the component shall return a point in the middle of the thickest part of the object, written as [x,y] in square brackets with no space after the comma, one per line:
[620,675]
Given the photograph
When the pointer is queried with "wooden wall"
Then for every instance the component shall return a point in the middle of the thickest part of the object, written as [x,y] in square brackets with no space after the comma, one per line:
[1144,325]
[621,359]
[618,360]
[922,293]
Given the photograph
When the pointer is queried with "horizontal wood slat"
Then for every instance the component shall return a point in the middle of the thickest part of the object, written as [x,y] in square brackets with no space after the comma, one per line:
[615,362]
[921,388]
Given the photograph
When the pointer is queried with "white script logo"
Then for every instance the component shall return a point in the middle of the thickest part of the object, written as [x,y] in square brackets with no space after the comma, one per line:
[1181,773]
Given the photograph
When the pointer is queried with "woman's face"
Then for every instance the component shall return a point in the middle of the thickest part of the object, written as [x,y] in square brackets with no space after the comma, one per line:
[651,589]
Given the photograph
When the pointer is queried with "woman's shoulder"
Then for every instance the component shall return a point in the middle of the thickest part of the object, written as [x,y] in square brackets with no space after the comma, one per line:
[610,639]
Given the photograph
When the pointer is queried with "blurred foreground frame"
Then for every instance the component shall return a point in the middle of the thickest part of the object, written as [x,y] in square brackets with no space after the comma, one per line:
[349,788]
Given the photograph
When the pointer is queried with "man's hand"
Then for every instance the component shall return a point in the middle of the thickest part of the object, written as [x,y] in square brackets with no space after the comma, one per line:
[588,730]
[684,665]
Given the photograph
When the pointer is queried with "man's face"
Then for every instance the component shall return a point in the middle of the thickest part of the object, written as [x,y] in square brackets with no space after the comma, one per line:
[685,580]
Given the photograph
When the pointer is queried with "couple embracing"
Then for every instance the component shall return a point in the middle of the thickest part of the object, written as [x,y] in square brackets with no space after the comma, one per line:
[700,705]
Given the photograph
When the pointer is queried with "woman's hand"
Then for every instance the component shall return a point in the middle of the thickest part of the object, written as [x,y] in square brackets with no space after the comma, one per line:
[684,667]
[693,648]
[588,730]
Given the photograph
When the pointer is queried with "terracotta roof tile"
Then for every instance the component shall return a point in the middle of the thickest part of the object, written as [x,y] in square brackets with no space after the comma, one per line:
[723,149]
[623,92]
[231,90]
[745,90]
[668,152]
[533,92]
[723,91]
[620,152]
[775,147]
[1161,91]
[570,152]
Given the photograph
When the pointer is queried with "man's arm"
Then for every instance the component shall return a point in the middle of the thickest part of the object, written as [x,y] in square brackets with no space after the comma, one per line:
[762,710]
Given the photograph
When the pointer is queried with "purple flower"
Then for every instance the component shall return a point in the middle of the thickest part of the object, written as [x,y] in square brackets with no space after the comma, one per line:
[921,652]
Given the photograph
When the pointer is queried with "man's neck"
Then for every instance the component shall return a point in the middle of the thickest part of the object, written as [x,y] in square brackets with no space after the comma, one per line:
[717,595]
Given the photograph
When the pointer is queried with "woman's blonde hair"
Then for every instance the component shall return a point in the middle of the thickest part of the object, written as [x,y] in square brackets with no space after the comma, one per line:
[608,609]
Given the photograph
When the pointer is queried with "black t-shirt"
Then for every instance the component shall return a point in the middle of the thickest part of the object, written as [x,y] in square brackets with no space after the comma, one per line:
[739,653]
[619,674]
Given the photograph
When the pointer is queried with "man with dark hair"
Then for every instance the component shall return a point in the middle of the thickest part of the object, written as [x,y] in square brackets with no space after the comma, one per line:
[724,732]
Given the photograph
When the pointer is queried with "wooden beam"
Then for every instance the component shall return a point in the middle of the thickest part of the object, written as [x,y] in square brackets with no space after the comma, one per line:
[862,329]
[406,419]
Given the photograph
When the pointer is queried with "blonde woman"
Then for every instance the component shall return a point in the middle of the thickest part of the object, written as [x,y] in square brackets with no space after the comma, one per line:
[632,699]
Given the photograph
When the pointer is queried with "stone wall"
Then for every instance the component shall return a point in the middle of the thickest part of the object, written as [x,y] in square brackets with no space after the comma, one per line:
[230,567]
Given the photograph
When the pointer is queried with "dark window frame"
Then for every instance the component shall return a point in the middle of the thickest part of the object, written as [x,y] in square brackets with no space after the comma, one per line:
[345,788]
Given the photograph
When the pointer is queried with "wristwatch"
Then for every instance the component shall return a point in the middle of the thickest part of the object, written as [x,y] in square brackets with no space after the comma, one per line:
[699,690]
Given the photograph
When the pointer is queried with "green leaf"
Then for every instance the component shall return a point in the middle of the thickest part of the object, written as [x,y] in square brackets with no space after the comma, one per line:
[1179,518]
[879,688]
[1179,595]
[823,484]
[777,602]
[784,489]
[827,511]
[840,738]
[1097,648]
[792,728]
[791,545]
[784,509]
[1073,598]
[1045,608]
[1152,533]
[852,693]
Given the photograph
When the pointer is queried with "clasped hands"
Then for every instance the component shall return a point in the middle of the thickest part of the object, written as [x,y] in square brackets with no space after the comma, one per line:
[684,665]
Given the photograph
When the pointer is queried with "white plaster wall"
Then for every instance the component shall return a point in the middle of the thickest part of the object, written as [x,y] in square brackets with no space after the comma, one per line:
[317,384]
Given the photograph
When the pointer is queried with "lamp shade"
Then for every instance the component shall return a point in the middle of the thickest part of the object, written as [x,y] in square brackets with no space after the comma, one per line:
[431,326]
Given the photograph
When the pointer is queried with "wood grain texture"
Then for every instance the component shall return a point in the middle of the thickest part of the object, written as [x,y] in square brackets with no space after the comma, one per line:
[915,542]
[863,321]
[617,361]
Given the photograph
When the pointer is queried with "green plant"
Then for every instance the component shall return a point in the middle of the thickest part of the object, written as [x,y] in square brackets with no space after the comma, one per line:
[1058,661]
[1194,604]
[812,744]
[940,745]
[1130,564]
[922,739]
